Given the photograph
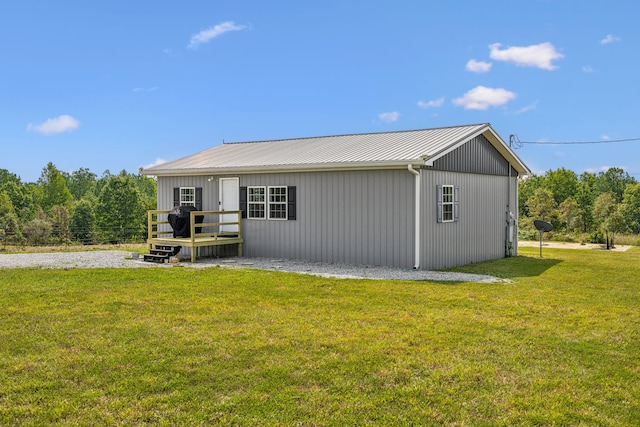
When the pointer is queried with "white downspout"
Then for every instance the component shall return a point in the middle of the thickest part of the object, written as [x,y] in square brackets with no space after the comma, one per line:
[416,264]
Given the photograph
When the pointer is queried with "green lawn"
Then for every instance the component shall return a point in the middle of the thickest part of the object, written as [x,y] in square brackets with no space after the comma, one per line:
[557,344]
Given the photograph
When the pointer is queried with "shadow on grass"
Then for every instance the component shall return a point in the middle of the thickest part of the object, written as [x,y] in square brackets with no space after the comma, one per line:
[510,268]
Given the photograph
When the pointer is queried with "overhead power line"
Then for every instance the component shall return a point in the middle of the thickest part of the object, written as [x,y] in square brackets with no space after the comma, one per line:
[515,142]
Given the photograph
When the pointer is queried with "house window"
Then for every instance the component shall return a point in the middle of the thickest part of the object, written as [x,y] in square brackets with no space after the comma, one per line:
[256,202]
[187,196]
[277,203]
[447,203]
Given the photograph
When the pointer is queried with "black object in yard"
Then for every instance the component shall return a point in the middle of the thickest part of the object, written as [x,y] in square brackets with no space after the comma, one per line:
[180,220]
[542,227]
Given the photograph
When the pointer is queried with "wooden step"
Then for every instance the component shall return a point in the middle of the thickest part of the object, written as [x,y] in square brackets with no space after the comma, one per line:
[160,259]
[162,252]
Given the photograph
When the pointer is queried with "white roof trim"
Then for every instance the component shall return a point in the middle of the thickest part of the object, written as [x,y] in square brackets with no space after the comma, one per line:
[324,167]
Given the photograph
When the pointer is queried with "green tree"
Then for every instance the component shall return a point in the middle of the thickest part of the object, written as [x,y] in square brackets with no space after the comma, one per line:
[604,206]
[120,211]
[54,188]
[542,205]
[585,197]
[630,208]
[526,189]
[82,223]
[60,220]
[148,188]
[81,183]
[37,231]
[9,226]
[562,183]
[22,198]
[603,209]
[571,215]
[6,176]
[613,181]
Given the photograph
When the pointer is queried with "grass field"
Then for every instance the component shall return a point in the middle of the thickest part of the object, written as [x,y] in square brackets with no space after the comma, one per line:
[556,344]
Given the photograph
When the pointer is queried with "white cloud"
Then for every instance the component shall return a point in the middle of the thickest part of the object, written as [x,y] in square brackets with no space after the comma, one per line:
[605,137]
[61,124]
[431,104]
[158,161]
[527,108]
[481,98]
[588,69]
[610,39]
[205,36]
[540,55]
[389,117]
[478,66]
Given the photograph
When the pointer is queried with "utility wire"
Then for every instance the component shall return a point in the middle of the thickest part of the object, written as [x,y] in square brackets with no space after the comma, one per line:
[606,141]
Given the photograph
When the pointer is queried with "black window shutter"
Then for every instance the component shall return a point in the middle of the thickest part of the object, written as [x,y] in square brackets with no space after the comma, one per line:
[291,203]
[176,196]
[439,202]
[456,203]
[243,201]
[199,198]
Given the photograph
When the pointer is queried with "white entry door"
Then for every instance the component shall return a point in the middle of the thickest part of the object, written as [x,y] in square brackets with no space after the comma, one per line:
[229,201]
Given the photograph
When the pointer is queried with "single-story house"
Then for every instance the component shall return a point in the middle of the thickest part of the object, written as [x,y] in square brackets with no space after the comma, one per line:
[425,199]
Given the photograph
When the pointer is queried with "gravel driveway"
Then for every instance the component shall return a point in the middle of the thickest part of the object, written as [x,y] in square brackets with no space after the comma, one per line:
[123,259]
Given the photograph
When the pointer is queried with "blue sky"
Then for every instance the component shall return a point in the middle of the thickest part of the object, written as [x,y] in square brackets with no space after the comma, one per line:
[126,84]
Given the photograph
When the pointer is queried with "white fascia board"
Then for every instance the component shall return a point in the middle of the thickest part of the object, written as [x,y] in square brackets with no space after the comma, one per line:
[325,167]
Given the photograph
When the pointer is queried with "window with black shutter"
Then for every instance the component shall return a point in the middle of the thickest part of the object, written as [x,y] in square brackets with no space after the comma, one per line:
[447,203]
[291,203]
[188,196]
[273,202]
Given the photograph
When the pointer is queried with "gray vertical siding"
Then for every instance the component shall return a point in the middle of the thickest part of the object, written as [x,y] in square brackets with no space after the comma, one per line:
[367,217]
[476,156]
[479,234]
[353,217]
[167,184]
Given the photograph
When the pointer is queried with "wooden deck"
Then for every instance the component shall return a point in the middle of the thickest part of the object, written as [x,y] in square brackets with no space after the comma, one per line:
[209,234]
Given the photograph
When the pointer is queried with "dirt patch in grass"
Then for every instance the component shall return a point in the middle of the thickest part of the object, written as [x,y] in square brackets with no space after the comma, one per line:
[565,245]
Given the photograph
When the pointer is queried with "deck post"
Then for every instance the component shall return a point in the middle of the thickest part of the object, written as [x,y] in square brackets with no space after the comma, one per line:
[150,229]
[192,226]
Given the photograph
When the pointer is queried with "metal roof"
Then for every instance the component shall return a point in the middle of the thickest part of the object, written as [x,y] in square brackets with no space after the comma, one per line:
[356,151]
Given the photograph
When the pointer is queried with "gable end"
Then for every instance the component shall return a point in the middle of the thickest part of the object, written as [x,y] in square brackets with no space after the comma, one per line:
[476,156]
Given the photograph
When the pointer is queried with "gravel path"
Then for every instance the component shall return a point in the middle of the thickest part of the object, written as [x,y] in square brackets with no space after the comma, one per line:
[123,259]
[89,259]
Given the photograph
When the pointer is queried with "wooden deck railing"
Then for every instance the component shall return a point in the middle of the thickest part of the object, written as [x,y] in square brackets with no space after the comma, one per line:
[201,234]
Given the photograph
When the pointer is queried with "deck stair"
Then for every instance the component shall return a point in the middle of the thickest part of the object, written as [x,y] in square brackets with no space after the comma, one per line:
[161,253]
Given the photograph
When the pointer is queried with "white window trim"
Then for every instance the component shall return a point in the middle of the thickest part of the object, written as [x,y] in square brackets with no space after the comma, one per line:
[184,202]
[263,203]
[449,203]
[285,203]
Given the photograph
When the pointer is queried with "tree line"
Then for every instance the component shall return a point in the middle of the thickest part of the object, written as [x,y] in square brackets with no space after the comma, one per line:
[63,207]
[79,206]
[589,207]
